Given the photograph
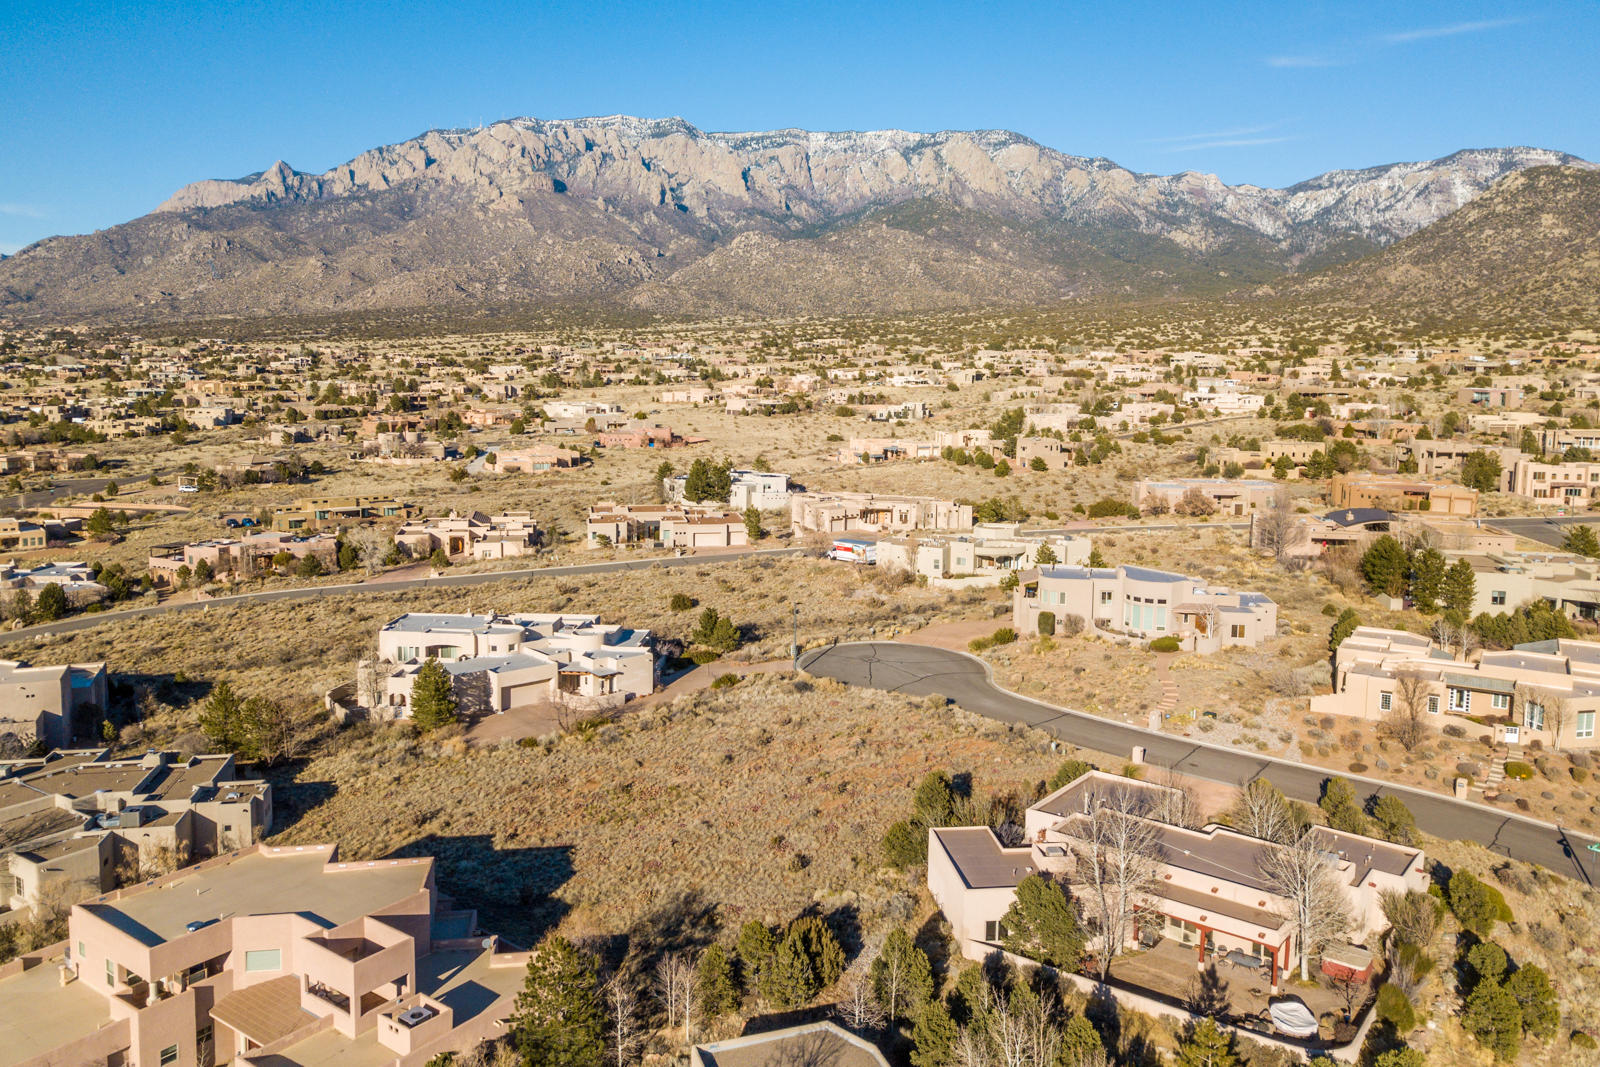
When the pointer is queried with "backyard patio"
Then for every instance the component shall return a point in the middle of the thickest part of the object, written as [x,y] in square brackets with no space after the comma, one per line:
[1229,988]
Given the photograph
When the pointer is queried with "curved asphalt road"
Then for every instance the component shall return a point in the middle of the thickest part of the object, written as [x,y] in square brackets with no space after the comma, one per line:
[922,671]
[110,618]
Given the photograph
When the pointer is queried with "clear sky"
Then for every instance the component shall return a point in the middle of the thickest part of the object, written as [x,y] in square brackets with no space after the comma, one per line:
[106,108]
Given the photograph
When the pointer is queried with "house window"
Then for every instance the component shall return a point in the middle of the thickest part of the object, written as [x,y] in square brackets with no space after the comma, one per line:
[169,1055]
[1497,597]
[1105,596]
[1433,704]
[1236,630]
[994,930]
[1500,701]
[1460,699]
[263,959]
[1533,715]
[1585,725]
[1385,701]
[111,973]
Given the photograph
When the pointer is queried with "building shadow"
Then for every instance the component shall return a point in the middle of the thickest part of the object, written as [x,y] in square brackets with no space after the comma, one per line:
[511,888]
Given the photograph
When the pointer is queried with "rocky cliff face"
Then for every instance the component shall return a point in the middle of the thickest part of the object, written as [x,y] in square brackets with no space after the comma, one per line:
[660,214]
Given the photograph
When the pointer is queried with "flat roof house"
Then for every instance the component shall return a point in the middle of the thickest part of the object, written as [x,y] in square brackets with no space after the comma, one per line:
[1229,496]
[51,704]
[1547,691]
[75,815]
[1210,889]
[837,513]
[262,956]
[1401,494]
[313,512]
[501,662]
[1145,604]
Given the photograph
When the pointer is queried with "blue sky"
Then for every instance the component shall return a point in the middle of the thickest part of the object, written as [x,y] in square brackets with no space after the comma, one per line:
[108,108]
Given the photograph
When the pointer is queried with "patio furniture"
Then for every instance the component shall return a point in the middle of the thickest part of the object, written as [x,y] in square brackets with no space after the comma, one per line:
[1243,959]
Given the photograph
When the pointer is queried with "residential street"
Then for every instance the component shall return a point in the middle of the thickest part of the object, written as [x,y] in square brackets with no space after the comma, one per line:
[921,670]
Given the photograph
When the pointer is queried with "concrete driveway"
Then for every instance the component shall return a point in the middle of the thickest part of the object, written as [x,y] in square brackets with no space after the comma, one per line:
[921,671]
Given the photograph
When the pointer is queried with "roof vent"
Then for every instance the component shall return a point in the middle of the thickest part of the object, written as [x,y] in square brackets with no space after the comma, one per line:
[415,1016]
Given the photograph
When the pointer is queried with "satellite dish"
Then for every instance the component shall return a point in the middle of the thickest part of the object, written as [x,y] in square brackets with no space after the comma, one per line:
[488,944]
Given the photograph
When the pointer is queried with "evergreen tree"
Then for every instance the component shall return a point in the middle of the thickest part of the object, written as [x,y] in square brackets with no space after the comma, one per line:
[1472,904]
[1042,924]
[901,975]
[1385,566]
[714,986]
[349,556]
[934,801]
[22,606]
[905,845]
[1401,1057]
[820,946]
[1343,627]
[1493,1016]
[52,602]
[789,981]
[221,719]
[1081,1045]
[1207,1046]
[1459,590]
[1581,540]
[433,701]
[1069,771]
[754,948]
[1427,579]
[1531,988]
[559,1019]
[1394,820]
[1339,805]
[203,572]
[933,1037]
[707,481]
[1045,556]
[1095,558]
[1481,471]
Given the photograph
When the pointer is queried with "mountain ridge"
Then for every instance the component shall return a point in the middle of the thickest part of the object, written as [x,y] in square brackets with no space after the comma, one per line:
[656,213]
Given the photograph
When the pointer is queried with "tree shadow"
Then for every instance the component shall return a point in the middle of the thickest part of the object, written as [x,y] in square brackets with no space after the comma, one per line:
[933,938]
[511,888]
[1207,994]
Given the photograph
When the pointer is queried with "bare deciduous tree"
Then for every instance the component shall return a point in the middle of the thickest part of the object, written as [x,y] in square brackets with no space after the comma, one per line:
[1262,811]
[1459,639]
[674,984]
[1018,1028]
[1276,532]
[1557,714]
[1304,874]
[622,1008]
[1177,804]
[1407,721]
[371,545]
[858,1008]
[1115,860]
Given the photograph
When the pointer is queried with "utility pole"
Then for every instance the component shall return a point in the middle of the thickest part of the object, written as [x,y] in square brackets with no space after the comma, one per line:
[794,646]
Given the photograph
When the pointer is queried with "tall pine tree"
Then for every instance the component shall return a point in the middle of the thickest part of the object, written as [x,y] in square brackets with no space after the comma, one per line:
[433,701]
[559,1019]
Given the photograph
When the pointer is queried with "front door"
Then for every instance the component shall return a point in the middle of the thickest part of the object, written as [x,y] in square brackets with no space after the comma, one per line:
[1513,733]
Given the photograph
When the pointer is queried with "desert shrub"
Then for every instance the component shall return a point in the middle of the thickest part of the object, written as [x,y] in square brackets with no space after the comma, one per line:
[1394,820]
[1518,770]
[1070,625]
[1584,1041]
[1047,623]
[681,602]
[1165,644]
[1579,774]
[725,681]
[905,845]
[1476,906]
[1394,1008]
[1068,772]
[1452,730]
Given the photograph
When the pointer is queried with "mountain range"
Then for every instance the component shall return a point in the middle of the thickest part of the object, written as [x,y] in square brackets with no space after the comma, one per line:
[657,215]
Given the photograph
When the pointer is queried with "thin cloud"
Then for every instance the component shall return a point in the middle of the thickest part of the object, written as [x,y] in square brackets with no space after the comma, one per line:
[1230,142]
[9,249]
[23,211]
[1300,62]
[1216,135]
[1454,29]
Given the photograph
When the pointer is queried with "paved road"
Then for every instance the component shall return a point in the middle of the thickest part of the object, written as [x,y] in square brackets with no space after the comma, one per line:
[1544,530]
[38,498]
[921,671]
[110,618]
